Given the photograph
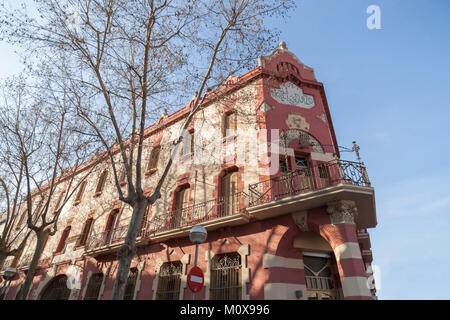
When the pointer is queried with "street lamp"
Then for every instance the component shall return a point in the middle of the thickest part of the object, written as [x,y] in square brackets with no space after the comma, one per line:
[9,273]
[197,235]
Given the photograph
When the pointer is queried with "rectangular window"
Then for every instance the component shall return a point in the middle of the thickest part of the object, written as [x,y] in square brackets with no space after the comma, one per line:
[169,281]
[188,145]
[131,284]
[181,206]
[153,161]
[80,192]
[62,241]
[319,277]
[58,201]
[323,175]
[101,182]
[226,277]
[85,232]
[229,124]
[230,199]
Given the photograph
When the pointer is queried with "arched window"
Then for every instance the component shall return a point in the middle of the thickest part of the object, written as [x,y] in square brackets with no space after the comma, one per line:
[169,281]
[94,285]
[57,289]
[226,277]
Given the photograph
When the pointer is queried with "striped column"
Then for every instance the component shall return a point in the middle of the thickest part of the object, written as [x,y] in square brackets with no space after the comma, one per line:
[286,277]
[343,239]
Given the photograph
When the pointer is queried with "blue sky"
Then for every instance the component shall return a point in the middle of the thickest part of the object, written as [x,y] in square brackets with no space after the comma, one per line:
[387,89]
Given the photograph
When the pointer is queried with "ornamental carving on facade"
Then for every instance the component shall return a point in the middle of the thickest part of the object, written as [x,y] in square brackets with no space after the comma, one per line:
[296,121]
[300,220]
[342,212]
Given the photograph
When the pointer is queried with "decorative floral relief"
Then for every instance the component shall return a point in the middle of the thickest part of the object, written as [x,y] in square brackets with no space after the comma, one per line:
[292,95]
[296,121]
[342,212]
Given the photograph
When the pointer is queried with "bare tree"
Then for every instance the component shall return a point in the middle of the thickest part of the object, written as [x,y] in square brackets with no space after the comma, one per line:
[42,165]
[126,59]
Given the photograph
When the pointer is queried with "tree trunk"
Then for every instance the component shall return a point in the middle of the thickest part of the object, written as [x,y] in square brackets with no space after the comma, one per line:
[127,250]
[3,256]
[24,290]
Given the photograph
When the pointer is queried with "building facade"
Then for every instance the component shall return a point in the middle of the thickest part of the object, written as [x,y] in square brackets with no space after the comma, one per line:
[260,170]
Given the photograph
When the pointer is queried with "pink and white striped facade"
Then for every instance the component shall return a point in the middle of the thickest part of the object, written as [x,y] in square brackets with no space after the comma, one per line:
[320,210]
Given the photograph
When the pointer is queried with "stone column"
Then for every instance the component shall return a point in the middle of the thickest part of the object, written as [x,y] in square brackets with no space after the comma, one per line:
[343,239]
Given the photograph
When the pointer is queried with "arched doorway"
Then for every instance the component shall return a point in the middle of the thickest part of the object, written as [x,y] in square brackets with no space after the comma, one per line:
[57,289]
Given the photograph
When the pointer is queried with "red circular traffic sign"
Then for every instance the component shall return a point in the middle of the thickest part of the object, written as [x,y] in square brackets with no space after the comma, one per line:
[195,279]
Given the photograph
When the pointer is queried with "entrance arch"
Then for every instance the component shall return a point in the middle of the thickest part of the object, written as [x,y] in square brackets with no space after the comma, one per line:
[56,289]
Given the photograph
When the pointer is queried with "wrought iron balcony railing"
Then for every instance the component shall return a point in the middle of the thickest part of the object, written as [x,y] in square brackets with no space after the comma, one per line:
[308,179]
[106,238]
[201,212]
[198,213]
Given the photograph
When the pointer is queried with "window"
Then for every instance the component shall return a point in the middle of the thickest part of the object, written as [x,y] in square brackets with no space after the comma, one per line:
[94,285]
[80,192]
[319,276]
[131,284]
[101,182]
[226,277]
[303,173]
[323,175]
[229,124]
[85,232]
[229,189]
[57,289]
[284,164]
[37,211]
[123,176]
[188,145]
[169,281]
[153,161]
[22,218]
[58,202]
[62,241]
[110,224]
[144,222]
[181,206]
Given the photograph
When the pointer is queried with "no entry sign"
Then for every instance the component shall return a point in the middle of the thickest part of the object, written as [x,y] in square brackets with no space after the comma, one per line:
[195,279]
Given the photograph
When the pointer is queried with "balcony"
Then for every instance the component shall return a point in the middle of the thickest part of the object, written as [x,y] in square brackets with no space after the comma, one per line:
[312,187]
[212,214]
[110,240]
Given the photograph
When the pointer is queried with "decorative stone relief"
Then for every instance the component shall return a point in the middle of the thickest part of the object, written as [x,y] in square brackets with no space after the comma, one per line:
[342,211]
[296,121]
[300,219]
[69,254]
[292,95]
